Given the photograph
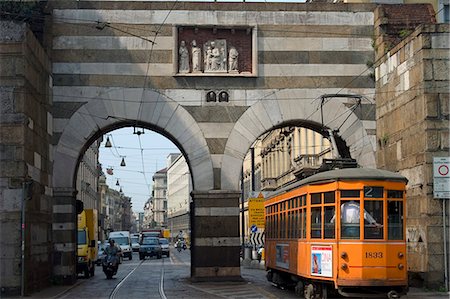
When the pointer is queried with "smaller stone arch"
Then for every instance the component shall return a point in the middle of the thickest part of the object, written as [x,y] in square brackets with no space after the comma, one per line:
[355,129]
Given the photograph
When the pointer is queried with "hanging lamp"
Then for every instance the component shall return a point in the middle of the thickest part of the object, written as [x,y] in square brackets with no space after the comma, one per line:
[108,142]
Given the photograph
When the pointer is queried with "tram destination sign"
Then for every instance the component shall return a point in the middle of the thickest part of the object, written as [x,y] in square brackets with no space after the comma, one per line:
[441,177]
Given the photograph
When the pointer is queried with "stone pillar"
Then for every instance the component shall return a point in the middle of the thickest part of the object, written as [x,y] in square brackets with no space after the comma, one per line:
[64,235]
[215,236]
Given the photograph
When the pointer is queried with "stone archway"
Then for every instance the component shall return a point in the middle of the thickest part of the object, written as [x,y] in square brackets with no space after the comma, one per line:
[88,122]
[356,129]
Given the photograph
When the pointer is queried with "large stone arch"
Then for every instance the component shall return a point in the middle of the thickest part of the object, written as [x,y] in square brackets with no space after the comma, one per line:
[112,109]
[356,129]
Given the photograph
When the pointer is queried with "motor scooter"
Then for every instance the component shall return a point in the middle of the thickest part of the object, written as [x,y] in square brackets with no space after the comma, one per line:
[110,265]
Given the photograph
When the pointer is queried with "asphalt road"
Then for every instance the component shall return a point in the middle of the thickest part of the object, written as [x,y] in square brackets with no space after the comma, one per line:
[169,278]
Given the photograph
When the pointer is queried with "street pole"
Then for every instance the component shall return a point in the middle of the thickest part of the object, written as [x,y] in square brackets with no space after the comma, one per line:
[22,227]
[444,227]
[242,212]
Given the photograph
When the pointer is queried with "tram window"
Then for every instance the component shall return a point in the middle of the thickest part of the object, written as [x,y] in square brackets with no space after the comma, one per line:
[395,220]
[328,197]
[373,219]
[394,194]
[329,225]
[316,198]
[349,219]
[373,192]
[316,223]
[304,223]
[350,193]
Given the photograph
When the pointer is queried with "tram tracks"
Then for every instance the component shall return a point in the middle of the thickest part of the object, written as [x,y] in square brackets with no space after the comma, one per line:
[115,291]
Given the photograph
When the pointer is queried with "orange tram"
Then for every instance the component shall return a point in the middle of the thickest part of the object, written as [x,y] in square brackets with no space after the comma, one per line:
[339,231]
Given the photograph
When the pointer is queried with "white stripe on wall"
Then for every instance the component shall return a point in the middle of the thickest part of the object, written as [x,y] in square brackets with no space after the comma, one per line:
[215,211]
[209,17]
[189,97]
[167,43]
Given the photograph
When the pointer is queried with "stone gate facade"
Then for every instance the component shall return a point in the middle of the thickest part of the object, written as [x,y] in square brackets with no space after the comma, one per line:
[127,63]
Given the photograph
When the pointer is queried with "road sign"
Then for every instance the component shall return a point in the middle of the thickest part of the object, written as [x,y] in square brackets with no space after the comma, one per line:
[441,177]
[254,228]
[256,212]
[257,238]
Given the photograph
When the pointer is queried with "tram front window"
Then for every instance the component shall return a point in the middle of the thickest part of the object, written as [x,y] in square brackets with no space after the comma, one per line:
[350,219]
[373,216]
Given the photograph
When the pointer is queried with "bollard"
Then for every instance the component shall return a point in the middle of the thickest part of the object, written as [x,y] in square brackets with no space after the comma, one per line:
[254,255]
[247,253]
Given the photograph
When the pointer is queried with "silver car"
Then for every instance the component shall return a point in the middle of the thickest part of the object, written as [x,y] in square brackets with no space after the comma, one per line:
[135,243]
[164,246]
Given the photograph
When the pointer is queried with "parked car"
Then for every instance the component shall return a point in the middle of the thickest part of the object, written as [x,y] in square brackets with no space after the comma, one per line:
[150,247]
[164,246]
[135,243]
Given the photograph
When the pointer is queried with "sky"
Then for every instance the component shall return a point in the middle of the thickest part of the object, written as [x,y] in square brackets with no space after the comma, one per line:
[136,177]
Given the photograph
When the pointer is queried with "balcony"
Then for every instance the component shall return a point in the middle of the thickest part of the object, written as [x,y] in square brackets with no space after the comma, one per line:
[268,184]
[306,165]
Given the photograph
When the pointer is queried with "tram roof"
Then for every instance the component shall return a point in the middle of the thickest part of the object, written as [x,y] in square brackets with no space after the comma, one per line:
[344,175]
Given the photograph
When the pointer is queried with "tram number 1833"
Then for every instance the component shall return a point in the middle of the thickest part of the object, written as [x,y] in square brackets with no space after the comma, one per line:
[374,255]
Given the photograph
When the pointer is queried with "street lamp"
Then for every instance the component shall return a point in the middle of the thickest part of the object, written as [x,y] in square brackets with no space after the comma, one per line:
[108,142]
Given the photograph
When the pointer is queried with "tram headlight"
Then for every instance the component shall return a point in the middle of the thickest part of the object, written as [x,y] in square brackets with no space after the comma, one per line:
[344,266]
[400,266]
[344,255]
[400,255]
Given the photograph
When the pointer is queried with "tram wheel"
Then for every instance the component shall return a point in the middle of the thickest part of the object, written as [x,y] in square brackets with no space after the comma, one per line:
[309,292]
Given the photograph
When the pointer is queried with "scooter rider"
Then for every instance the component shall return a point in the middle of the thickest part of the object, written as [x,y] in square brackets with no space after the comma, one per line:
[114,251]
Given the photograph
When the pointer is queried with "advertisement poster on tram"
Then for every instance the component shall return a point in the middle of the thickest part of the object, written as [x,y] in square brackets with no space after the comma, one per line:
[282,256]
[322,260]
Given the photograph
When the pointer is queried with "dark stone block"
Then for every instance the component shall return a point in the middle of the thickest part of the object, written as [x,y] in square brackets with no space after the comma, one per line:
[219,226]
[216,257]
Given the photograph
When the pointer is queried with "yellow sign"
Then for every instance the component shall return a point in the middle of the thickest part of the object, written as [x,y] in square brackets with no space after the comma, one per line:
[256,215]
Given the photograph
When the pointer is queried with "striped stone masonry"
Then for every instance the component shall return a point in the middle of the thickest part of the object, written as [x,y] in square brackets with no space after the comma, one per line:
[64,235]
[215,235]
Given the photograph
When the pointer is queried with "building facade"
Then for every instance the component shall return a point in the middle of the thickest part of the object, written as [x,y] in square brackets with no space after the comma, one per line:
[179,187]
[88,177]
[159,198]
[412,129]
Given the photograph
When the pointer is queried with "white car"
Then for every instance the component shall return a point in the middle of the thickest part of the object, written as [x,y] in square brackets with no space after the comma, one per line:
[164,246]
[135,243]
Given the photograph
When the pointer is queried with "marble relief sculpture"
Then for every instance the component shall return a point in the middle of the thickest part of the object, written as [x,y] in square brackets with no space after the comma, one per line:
[215,56]
[184,58]
[214,59]
[233,60]
[196,57]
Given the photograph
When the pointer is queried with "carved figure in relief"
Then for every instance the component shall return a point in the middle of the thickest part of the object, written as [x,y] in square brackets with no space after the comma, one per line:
[223,62]
[196,57]
[184,58]
[233,60]
[215,57]
[208,57]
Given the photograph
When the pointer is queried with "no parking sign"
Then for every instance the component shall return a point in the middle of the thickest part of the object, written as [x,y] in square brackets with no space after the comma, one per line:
[441,175]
